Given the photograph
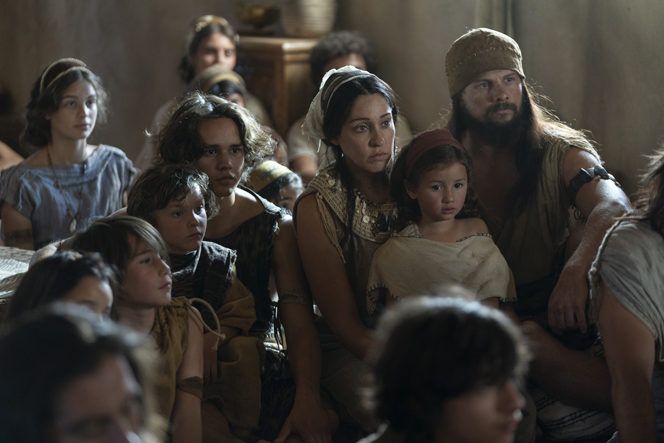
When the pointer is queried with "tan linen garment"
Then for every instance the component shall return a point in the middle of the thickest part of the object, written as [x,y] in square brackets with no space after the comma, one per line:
[409,265]
[170,332]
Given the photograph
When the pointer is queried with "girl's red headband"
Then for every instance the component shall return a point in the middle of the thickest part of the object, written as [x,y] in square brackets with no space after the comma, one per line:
[427,141]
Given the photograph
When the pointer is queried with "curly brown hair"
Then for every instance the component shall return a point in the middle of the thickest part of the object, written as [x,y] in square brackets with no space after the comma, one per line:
[161,184]
[181,143]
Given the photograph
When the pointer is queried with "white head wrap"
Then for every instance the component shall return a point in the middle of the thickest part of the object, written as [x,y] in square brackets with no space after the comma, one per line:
[313,123]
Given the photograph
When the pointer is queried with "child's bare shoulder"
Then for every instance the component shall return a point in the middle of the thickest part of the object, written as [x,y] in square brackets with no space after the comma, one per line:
[473,226]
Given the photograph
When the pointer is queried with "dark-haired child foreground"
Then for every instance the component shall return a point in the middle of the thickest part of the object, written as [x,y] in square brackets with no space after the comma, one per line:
[144,303]
[177,200]
[67,375]
[66,276]
[447,370]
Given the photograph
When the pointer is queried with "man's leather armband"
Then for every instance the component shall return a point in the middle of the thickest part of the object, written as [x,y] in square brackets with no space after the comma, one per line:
[586,176]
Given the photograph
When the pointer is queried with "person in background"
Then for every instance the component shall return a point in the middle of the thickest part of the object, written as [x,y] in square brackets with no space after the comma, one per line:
[447,371]
[276,184]
[333,51]
[211,40]
[67,375]
[67,182]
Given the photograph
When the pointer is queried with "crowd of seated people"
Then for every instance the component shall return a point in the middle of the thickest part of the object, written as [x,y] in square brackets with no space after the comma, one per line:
[443,273]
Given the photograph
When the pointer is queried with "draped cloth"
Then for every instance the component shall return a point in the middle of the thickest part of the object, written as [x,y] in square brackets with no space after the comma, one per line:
[408,265]
[630,262]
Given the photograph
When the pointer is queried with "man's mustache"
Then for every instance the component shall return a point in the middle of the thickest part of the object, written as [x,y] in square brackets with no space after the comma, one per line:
[500,107]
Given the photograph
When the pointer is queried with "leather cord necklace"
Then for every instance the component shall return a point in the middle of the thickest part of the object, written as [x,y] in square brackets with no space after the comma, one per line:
[70,212]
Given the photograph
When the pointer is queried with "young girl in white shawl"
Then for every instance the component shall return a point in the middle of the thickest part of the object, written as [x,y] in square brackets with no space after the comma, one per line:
[437,243]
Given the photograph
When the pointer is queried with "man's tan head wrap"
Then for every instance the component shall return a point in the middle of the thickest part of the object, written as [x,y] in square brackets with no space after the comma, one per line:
[479,51]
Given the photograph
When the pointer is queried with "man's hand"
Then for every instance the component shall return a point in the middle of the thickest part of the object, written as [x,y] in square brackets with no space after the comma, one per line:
[567,304]
[209,358]
[308,419]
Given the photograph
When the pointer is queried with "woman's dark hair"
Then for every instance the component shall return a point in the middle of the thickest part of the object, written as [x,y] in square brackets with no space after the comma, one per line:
[181,143]
[444,155]
[649,205]
[433,349]
[46,350]
[272,190]
[159,185]
[54,277]
[338,44]
[112,238]
[37,131]
[541,127]
[200,29]
[337,111]
[226,87]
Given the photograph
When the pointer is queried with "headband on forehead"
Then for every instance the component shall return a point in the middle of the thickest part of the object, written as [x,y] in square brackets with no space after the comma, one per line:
[205,21]
[425,142]
[330,87]
[59,68]
[220,78]
[313,123]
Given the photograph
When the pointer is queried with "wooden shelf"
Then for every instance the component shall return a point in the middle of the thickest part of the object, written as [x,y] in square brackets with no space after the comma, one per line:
[276,70]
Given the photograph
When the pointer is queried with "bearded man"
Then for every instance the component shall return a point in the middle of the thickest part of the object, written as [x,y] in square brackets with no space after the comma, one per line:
[547,202]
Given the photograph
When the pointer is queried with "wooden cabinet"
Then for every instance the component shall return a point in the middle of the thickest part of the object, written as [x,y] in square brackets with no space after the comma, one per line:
[276,70]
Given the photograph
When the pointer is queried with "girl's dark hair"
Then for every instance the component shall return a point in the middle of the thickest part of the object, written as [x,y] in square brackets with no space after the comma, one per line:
[112,238]
[54,277]
[46,350]
[159,185]
[338,44]
[272,190]
[338,110]
[445,155]
[180,142]
[225,88]
[37,131]
[202,28]
[649,205]
[433,349]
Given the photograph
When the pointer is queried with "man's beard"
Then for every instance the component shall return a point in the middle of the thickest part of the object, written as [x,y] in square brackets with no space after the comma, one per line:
[492,133]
